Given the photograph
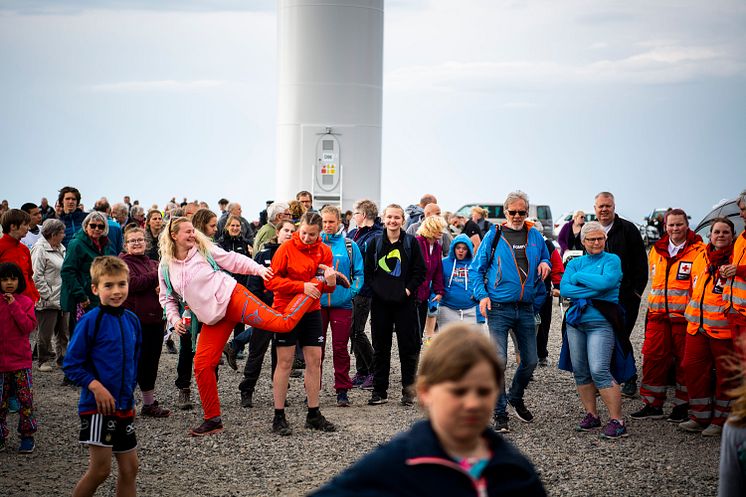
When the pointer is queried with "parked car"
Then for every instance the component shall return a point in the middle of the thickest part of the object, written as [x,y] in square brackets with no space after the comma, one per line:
[726,208]
[495,215]
[567,216]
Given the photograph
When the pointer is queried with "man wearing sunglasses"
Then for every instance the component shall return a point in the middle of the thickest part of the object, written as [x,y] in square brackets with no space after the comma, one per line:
[508,272]
[624,240]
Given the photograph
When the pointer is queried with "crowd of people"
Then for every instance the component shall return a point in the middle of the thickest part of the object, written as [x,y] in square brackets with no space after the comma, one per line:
[98,294]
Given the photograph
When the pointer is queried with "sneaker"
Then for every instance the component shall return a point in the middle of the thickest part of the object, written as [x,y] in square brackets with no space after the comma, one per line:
[45,367]
[500,423]
[614,430]
[319,422]
[342,399]
[240,355]
[377,399]
[13,404]
[648,412]
[358,379]
[588,423]
[521,411]
[281,427]
[691,426]
[629,389]
[712,431]
[368,383]
[407,399]
[171,347]
[185,399]
[679,414]
[246,399]
[543,362]
[27,445]
[208,427]
[230,356]
[154,411]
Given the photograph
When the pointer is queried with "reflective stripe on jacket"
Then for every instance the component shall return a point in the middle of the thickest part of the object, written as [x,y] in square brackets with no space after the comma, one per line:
[671,277]
[734,291]
[706,308]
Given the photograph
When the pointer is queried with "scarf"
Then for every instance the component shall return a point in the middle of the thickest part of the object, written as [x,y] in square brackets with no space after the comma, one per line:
[717,258]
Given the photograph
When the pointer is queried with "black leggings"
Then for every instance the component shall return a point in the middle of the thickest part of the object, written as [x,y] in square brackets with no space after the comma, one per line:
[150,355]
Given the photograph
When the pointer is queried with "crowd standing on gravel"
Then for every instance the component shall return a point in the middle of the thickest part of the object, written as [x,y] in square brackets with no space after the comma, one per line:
[117,282]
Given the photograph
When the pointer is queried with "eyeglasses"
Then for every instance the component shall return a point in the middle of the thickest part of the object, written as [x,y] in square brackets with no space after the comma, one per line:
[517,213]
[137,240]
[96,226]
[595,240]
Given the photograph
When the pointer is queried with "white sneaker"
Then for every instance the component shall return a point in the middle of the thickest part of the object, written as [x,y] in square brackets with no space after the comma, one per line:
[691,426]
[45,367]
[712,431]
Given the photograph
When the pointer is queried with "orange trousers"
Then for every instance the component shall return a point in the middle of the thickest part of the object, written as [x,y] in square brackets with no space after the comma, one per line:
[244,307]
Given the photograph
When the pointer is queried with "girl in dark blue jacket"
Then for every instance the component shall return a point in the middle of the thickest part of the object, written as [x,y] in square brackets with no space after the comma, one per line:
[453,452]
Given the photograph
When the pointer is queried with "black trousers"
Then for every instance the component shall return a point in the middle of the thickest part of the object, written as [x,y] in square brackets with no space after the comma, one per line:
[542,338]
[258,345]
[385,318]
[631,304]
[150,355]
[361,347]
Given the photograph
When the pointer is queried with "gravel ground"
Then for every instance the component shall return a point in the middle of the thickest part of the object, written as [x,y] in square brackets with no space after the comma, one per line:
[247,459]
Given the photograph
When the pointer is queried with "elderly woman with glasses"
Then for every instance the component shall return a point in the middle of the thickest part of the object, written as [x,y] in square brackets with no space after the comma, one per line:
[593,323]
[87,244]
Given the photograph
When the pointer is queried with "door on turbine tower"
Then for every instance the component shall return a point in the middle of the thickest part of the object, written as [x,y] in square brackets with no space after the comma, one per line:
[327,172]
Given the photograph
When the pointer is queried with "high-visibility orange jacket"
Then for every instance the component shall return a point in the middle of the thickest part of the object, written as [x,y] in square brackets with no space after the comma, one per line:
[734,291]
[706,308]
[671,277]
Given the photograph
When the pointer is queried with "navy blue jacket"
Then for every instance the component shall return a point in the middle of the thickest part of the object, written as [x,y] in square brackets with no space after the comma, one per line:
[363,236]
[415,464]
[105,347]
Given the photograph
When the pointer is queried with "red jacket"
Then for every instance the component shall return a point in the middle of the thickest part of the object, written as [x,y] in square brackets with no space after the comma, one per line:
[12,250]
[294,264]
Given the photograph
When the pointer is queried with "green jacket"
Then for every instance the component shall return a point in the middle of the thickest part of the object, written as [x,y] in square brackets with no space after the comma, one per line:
[76,271]
[265,234]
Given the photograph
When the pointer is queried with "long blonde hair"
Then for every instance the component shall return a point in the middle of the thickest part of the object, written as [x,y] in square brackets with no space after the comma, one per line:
[167,246]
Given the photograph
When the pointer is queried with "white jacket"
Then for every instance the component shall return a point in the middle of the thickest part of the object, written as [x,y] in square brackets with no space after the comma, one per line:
[47,264]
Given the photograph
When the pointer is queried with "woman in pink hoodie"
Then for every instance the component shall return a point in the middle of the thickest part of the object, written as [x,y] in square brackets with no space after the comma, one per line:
[190,274]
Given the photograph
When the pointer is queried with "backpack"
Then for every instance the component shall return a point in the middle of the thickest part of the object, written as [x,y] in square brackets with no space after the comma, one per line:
[495,240]
[348,246]
[407,241]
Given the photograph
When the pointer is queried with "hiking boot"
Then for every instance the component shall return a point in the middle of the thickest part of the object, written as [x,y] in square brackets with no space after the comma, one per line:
[500,423]
[246,399]
[171,347]
[154,411]
[208,427]
[368,383]
[27,445]
[614,430]
[712,431]
[185,399]
[691,426]
[629,389]
[407,399]
[342,399]
[281,427]
[543,362]
[521,411]
[377,399]
[358,379]
[45,367]
[648,412]
[679,414]
[319,422]
[588,423]
[230,356]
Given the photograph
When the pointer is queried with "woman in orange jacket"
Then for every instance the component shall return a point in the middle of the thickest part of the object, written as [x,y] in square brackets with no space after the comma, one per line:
[709,339]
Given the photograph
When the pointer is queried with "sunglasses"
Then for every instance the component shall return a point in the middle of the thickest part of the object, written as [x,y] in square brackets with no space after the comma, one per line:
[95,226]
[517,213]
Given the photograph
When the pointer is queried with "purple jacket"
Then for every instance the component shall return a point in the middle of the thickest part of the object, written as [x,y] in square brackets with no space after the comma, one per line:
[567,240]
[434,274]
[142,298]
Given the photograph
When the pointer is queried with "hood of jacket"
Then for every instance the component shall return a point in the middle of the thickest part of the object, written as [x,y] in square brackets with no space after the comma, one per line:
[462,238]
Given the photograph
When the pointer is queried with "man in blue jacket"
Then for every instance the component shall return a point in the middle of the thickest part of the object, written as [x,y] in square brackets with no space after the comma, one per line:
[506,272]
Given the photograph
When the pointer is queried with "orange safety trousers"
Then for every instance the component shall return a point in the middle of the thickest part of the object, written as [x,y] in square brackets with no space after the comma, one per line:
[665,339]
[702,354]
[244,307]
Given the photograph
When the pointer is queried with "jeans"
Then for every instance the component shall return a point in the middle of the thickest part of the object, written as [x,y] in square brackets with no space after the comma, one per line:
[518,316]
[591,345]
[241,339]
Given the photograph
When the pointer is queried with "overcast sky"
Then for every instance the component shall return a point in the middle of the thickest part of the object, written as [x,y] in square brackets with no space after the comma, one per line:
[157,99]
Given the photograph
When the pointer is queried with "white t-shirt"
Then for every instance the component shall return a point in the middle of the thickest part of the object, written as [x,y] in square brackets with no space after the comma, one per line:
[674,249]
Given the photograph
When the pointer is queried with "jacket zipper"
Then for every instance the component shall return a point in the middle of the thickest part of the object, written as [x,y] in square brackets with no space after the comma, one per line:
[124,357]
[448,464]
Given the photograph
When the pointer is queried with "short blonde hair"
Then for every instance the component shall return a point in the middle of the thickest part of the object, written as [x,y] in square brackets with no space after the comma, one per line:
[432,227]
[107,265]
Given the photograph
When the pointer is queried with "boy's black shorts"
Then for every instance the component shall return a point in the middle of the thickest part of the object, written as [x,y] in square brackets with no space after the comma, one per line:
[307,333]
[116,432]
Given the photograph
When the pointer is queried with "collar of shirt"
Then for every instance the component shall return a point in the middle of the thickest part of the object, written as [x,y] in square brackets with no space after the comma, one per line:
[674,249]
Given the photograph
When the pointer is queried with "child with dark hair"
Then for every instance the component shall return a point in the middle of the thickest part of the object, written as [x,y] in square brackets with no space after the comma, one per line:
[17,321]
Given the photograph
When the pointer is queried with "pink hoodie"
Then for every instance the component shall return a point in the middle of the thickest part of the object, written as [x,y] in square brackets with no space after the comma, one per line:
[206,291]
